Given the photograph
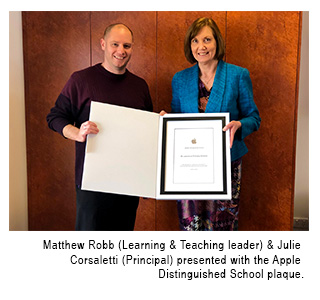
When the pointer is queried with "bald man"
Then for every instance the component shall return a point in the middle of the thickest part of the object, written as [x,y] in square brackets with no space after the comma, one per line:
[107,82]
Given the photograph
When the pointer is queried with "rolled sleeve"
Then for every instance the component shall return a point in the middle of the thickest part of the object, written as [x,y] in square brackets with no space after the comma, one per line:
[60,115]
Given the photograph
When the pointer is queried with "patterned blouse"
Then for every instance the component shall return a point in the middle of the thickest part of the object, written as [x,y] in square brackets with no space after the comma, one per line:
[203,97]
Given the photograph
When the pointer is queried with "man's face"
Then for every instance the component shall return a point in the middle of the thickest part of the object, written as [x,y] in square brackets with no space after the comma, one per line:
[117,46]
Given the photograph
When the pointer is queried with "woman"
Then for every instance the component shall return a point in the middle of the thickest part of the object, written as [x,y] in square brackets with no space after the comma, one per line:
[213,85]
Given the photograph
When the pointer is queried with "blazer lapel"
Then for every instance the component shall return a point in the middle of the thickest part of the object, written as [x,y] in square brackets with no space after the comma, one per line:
[191,91]
[218,87]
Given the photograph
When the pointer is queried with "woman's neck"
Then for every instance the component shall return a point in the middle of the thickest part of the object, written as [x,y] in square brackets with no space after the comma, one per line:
[208,69]
[207,72]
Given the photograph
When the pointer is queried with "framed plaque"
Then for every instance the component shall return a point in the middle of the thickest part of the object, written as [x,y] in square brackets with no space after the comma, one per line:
[194,157]
[139,153]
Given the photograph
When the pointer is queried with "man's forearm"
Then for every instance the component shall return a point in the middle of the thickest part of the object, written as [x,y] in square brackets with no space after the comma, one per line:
[71,132]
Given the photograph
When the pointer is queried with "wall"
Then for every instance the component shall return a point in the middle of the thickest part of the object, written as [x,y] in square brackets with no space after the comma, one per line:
[267,43]
[18,214]
[156,210]
[301,202]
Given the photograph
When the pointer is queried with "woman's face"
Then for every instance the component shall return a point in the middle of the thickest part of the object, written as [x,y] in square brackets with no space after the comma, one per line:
[203,45]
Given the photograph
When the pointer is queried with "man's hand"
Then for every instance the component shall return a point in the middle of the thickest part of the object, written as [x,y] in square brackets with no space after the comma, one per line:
[162,113]
[73,133]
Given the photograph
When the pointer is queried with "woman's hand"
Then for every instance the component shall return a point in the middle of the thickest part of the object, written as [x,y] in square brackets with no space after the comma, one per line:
[233,126]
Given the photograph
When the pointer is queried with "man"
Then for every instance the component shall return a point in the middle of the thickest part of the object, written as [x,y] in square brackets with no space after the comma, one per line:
[109,82]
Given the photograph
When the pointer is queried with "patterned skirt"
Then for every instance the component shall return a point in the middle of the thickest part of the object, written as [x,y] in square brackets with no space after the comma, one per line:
[205,215]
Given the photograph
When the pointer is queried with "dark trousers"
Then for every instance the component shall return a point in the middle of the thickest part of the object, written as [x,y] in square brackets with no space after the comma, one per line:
[104,211]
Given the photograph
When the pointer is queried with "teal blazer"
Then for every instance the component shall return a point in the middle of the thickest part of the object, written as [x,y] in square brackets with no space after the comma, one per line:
[231,92]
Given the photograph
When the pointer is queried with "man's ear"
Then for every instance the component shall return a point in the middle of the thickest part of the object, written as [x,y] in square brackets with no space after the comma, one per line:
[103,44]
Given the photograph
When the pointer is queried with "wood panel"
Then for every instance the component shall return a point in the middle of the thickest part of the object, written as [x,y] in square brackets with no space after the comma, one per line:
[55,45]
[267,43]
